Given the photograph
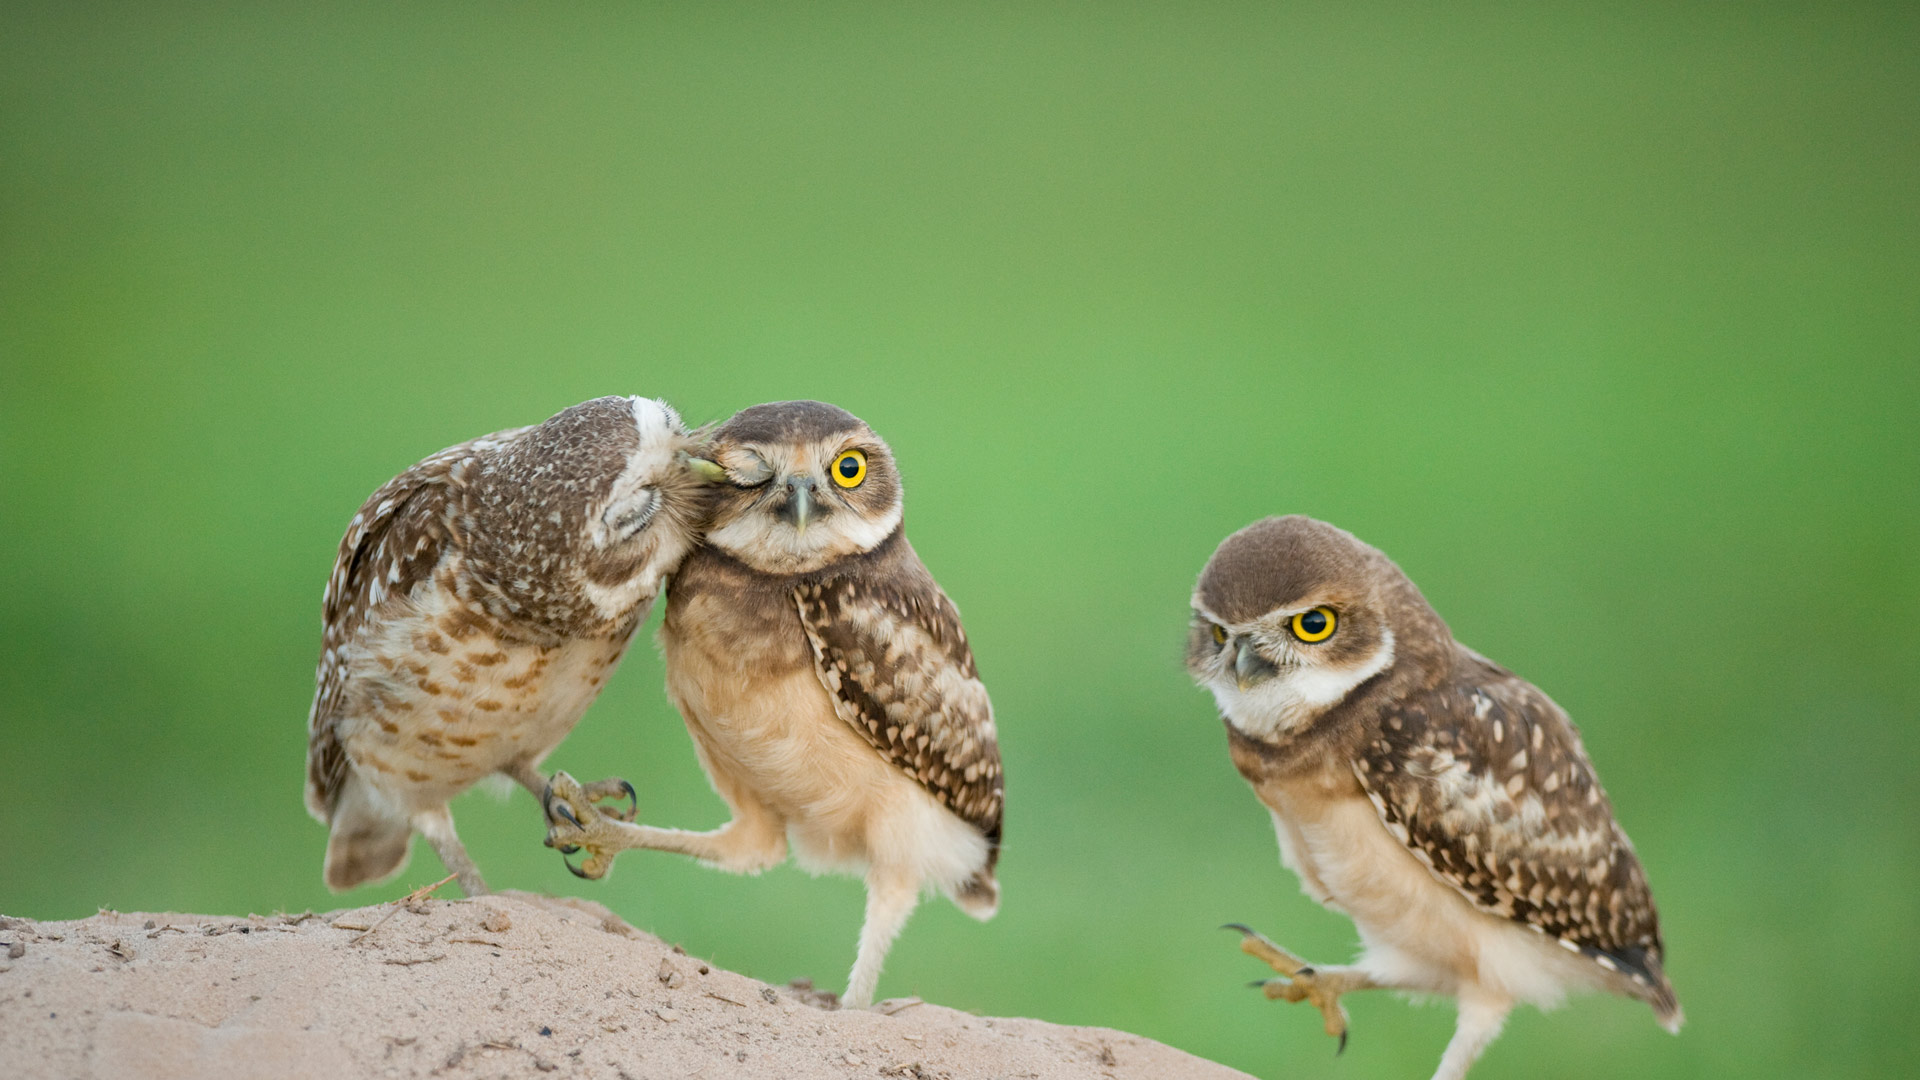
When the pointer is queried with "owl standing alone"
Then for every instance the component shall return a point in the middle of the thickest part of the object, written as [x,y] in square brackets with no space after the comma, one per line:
[478,604]
[1440,801]
[826,682]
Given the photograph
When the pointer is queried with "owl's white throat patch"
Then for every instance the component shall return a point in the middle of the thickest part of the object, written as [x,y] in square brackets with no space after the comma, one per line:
[1297,694]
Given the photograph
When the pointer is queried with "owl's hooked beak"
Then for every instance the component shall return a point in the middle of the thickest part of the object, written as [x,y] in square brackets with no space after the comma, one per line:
[1250,668]
[798,509]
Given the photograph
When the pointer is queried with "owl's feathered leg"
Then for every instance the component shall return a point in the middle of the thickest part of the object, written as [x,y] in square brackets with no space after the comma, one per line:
[437,826]
[891,898]
[753,841]
[1322,986]
[1481,1018]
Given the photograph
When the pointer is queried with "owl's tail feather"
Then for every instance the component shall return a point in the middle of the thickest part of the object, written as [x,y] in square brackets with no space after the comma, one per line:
[1654,988]
[369,840]
[1666,1008]
[978,896]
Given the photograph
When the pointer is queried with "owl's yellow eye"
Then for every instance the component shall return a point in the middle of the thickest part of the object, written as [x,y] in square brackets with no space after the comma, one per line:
[1219,634]
[849,469]
[1315,625]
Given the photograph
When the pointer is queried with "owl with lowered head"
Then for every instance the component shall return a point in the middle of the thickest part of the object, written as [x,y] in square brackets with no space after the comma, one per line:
[1440,801]
[826,682]
[477,606]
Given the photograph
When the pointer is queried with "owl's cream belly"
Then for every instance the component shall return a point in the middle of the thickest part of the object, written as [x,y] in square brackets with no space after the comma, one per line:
[772,738]
[1417,931]
[424,728]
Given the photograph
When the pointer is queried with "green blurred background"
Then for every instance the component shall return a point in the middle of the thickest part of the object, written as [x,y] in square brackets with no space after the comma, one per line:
[1605,324]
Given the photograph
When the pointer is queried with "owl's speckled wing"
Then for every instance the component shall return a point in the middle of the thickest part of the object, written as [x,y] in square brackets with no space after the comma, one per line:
[391,545]
[1486,782]
[895,660]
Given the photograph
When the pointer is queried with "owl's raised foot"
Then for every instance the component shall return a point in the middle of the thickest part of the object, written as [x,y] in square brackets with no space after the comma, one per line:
[574,822]
[1301,981]
[610,789]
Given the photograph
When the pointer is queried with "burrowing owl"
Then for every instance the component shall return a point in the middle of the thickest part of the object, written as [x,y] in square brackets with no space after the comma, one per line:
[477,606]
[1439,800]
[826,681]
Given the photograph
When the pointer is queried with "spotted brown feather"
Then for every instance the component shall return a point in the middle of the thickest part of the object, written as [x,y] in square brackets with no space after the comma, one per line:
[1509,812]
[894,658]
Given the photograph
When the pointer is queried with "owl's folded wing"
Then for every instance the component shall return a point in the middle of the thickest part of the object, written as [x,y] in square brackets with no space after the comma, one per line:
[1509,812]
[393,543]
[895,660]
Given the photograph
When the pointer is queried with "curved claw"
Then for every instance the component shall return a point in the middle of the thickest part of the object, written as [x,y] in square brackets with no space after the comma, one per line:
[1242,927]
[577,872]
[568,849]
[597,792]
[1343,1045]
[566,812]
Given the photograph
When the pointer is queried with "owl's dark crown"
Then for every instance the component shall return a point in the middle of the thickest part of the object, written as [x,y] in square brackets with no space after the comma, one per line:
[788,422]
[1277,562]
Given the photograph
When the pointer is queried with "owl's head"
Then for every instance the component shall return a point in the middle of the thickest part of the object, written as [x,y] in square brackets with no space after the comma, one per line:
[652,514]
[579,518]
[1290,616]
[799,485]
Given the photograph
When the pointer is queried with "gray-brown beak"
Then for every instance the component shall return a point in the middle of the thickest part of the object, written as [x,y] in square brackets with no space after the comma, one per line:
[1249,667]
[799,506]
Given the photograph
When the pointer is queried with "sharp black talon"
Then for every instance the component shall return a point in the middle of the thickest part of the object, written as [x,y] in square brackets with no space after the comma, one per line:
[1343,1045]
[1240,927]
[568,849]
[1259,984]
[1307,971]
[546,801]
[566,811]
[577,872]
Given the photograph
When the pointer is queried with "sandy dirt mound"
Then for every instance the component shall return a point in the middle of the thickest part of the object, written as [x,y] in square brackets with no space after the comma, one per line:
[502,986]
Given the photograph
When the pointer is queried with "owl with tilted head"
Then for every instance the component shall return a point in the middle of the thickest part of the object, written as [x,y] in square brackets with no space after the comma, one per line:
[478,603]
[826,682]
[1440,801]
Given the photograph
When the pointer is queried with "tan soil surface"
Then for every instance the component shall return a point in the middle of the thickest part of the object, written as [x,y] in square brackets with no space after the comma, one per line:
[513,985]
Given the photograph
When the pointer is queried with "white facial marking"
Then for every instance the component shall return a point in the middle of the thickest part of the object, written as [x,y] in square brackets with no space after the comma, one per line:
[1297,694]
[865,533]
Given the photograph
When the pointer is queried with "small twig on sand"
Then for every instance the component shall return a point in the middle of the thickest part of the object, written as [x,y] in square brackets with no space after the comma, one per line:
[394,906]
[410,961]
